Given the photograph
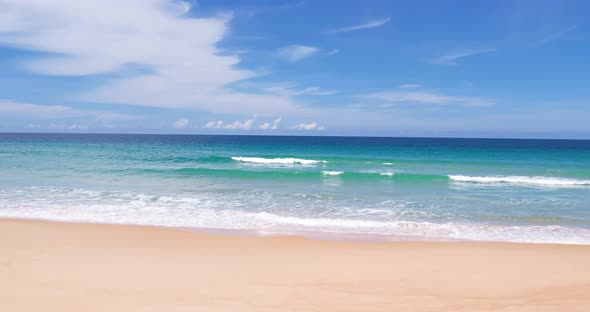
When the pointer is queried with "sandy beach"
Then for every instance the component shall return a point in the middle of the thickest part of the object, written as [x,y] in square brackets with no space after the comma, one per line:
[49,266]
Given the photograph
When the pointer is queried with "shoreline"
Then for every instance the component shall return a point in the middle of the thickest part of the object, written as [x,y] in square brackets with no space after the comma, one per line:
[300,233]
[50,265]
[307,233]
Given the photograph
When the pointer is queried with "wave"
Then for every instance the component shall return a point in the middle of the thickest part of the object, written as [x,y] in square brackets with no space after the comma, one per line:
[306,172]
[384,173]
[428,230]
[331,173]
[294,174]
[232,173]
[204,159]
[541,181]
[281,161]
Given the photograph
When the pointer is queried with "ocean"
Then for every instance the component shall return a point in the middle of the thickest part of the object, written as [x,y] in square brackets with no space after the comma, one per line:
[510,190]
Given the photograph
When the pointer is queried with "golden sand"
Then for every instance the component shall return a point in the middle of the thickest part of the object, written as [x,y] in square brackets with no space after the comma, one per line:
[47,266]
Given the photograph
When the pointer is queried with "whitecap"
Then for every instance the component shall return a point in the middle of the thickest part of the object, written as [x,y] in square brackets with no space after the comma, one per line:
[281,161]
[332,173]
[541,181]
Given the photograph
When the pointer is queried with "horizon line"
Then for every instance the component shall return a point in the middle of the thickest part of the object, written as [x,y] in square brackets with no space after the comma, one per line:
[294,135]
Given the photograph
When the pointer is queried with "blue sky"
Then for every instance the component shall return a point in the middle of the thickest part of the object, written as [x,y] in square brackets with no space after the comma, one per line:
[385,68]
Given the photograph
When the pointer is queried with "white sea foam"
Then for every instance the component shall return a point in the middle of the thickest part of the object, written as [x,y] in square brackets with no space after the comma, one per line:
[281,161]
[332,173]
[388,164]
[79,205]
[272,223]
[541,181]
[386,173]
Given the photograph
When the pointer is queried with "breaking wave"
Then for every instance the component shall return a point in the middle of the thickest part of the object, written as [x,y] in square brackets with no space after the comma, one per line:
[541,181]
[280,161]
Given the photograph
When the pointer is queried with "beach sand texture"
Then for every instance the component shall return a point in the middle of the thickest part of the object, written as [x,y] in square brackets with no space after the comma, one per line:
[49,266]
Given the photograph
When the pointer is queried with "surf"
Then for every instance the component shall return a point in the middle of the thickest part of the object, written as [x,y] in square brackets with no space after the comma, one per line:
[521,180]
[280,161]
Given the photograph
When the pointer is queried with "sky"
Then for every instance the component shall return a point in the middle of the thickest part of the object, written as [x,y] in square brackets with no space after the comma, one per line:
[452,68]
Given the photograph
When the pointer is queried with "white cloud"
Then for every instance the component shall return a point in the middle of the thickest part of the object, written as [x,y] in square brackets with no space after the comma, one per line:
[369,24]
[427,97]
[409,86]
[274,126]
[295,53]
[181,123]
[176,54]
[214,124]
[452,58]
[244,125]
[220,124]
[308,126]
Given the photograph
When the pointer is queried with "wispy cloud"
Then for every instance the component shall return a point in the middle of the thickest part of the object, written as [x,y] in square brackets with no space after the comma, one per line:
[315,91]
[36,111]
[409,86]
[295,53]
[428,97]
[369,24]
[44,111]
[555,35]
[332,52]
[454,57]
[287,89]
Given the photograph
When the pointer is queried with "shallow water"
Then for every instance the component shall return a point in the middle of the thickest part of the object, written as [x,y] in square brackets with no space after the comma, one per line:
[474,189]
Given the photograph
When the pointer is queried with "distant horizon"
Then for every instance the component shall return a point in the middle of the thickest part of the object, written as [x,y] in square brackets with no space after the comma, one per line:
[302,135]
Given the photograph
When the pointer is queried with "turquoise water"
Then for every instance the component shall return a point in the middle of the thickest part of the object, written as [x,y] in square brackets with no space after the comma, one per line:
[391,188]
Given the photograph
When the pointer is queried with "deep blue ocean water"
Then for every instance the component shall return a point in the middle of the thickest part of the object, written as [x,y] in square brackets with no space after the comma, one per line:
[394,188]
